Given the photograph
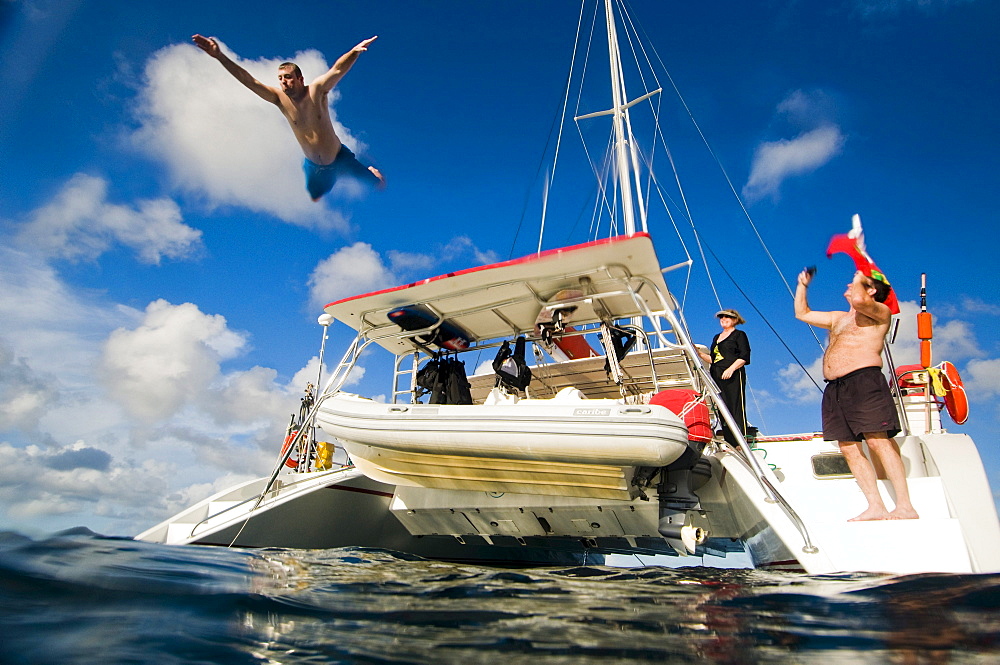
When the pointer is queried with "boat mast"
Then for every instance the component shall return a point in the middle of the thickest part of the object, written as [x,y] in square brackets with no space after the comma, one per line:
[626,158]
[625,150]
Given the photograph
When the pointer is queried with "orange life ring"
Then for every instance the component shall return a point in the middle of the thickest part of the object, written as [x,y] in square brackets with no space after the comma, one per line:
[292,462]
[955,399]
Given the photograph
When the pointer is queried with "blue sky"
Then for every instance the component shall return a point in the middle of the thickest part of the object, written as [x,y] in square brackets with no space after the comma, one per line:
[162,266]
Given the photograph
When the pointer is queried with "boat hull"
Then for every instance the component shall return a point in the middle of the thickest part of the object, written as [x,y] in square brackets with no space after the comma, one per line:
[344,508]
[946,483]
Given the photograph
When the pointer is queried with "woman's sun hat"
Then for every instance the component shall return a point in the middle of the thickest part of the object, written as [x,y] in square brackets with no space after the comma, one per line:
[732,314]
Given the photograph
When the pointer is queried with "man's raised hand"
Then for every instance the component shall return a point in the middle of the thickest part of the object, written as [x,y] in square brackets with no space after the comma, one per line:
[363,45]
[207,44]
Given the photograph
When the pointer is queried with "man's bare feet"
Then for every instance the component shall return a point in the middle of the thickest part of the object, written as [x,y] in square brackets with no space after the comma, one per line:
[904,514]
[378,174]
[871,515]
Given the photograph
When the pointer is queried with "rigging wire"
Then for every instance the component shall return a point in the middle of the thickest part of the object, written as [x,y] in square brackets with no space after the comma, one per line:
[753,395]
[766,321]
[630,30]
[562,123]
[527,194]
[664,198]
[602,174]
[756,406]
[602,203]
[725,174]
[557,119]
[702,246]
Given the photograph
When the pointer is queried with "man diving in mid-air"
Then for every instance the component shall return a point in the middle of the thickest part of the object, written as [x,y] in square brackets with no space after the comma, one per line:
[307,109]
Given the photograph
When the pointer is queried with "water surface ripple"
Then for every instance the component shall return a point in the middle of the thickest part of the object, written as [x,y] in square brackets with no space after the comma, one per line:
[78,597]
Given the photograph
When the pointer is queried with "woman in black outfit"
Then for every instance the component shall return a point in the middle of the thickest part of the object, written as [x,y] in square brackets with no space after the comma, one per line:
[728,354]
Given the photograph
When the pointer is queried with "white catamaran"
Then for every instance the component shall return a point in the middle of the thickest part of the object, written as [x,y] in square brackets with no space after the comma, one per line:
[604,443]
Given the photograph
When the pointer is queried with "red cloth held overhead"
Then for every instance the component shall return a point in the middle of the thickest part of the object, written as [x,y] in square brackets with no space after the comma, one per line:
[853,244]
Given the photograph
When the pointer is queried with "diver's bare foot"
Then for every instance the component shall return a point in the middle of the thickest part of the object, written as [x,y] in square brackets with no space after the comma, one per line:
[871,515]
[378,174]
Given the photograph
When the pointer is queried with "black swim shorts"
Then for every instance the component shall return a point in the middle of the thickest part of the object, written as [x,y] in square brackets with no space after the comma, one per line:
[856,403]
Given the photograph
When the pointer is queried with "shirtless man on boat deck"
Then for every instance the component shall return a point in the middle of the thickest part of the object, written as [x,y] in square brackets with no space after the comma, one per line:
[857,403]
[307,110]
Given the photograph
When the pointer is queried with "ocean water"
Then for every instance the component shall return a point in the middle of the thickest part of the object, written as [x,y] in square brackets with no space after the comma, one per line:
[77,597]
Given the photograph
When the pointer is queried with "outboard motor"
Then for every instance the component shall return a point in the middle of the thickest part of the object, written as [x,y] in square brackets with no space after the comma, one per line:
[676,493]
[680,479]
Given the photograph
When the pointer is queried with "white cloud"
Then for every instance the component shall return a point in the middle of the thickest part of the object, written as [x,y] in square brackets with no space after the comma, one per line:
[173,356]
[67,490]
[978,306]
[310,372]
[223,143]
[349,271]
[807,108]
[359,269]
[178,428]
[128,413]
[250,398]
[24,394]
[115,494]
[50,338]
[80,224]
[811,115]
[775,161]
[409,262]
[800,386]
[982,379]
[48,325]
[954,340]
[462,245]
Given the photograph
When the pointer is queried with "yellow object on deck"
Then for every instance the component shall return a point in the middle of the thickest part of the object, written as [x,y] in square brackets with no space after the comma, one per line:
[324,455]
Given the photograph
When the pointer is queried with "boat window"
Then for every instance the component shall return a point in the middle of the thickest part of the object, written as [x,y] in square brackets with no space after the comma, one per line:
[830,465]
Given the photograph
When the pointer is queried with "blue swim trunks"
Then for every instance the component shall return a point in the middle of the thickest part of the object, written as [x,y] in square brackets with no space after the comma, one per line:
[320,179]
